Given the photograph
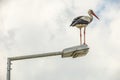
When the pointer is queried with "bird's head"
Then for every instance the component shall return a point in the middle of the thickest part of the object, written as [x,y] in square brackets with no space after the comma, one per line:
[92,12]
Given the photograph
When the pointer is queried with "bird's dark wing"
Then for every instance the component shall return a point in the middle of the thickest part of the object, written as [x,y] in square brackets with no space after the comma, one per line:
[75,19]
[78,20]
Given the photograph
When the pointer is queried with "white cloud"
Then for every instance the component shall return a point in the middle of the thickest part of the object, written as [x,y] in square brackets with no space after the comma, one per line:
[43,26]
[2,65]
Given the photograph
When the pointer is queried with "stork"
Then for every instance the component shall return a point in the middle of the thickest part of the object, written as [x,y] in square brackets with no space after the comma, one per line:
[82,22]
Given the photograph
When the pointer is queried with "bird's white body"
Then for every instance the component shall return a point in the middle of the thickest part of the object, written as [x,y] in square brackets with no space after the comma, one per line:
[81,25]
[87,18]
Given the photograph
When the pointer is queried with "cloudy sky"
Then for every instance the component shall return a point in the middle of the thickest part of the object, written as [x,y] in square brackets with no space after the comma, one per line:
[40,26]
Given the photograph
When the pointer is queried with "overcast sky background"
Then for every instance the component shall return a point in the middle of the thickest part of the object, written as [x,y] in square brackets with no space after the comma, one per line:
[40,26]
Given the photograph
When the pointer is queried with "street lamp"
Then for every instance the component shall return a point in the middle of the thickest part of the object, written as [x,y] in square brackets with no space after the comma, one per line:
[75,51]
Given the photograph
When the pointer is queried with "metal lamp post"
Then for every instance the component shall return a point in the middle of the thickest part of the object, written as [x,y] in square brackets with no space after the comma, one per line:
[75,51]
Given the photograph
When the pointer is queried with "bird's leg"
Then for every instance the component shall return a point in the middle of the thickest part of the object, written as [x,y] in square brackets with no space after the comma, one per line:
[84,35]
[80,37]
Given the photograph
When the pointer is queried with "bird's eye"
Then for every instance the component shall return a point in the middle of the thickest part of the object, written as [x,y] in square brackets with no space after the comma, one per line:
[91,11]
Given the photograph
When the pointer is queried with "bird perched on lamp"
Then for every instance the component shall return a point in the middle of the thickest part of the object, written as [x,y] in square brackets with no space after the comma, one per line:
[82,22]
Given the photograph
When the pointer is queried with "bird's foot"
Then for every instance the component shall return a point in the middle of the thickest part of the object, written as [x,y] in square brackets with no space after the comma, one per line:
[84,44]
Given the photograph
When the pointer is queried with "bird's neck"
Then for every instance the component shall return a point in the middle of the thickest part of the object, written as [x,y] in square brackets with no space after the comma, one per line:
[91,16]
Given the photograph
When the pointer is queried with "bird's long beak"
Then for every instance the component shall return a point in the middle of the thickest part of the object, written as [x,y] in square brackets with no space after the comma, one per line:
[95,15]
